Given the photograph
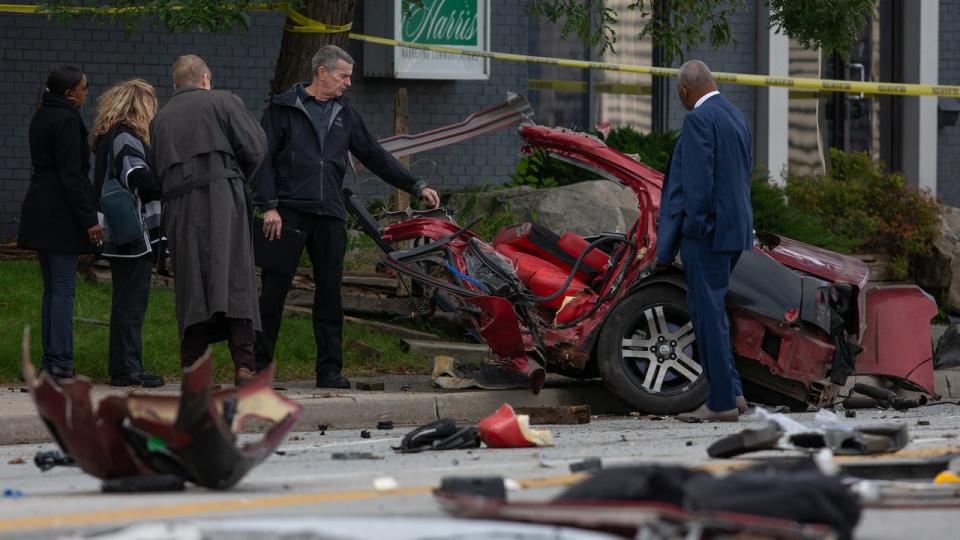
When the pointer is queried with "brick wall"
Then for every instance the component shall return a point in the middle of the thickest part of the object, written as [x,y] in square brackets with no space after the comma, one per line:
[30,46]
[739,58]
[948,144]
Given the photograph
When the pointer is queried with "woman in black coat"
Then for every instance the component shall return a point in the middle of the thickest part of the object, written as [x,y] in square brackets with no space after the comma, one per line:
[58,217]
[120,138]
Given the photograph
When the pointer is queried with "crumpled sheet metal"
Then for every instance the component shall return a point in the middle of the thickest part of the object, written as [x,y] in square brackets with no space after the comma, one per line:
[193,436]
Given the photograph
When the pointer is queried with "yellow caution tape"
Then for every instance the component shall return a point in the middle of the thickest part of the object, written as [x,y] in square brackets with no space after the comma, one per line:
[306,25]
[303,24]
[792,83]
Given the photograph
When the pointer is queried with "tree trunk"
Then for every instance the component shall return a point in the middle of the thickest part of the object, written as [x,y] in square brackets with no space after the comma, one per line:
[293,64]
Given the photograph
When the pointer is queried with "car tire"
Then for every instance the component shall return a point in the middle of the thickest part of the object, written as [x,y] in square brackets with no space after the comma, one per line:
[628,348]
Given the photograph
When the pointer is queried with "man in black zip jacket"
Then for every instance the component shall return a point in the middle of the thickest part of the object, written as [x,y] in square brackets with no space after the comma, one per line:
[310,129]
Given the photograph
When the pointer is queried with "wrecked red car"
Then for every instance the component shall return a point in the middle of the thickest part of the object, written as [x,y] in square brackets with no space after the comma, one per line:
[802,318]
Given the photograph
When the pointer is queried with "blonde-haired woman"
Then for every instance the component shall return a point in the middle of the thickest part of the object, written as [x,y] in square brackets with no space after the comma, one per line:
[121,135]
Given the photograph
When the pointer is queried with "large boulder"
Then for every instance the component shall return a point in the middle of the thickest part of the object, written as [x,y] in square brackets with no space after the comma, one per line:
[585,208]
[940,271]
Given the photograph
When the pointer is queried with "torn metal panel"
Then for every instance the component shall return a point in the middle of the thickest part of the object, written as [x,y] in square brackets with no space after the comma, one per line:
[192,436]
[511,112]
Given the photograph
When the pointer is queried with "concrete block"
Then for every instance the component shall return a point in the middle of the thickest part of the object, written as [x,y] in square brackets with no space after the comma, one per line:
[364,411]
[473,406]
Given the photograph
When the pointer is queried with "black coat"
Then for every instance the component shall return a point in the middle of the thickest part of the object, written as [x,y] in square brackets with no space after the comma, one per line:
[59,205]
[295,174]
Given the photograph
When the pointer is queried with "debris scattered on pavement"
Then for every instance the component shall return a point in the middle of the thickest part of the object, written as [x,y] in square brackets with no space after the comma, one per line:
[16,461]
[885,398]
[444,434]
[322,428]
[793,500]
[385,483]
[450,373]
[506,429]
[492,487]
[46,460]
[782,432]
[350,456]
[144,484]
[587,465]
[923,422]
[193,435]
[643,416]
[369,386]
[562,415]
[385,424]
[921,468]
[364,434]
[850,414]
[12,493]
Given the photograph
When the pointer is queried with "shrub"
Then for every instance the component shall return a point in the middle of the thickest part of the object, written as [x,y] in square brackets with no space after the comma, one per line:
[772,214]
[654,149]
[873,209]
[538,170]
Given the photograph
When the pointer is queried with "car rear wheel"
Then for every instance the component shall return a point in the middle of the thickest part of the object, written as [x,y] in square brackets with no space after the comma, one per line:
[647,353]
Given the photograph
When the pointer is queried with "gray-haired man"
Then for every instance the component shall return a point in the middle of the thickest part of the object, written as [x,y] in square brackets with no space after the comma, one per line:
[310,129]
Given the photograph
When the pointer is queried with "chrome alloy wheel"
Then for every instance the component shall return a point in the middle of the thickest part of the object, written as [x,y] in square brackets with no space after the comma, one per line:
[662,349]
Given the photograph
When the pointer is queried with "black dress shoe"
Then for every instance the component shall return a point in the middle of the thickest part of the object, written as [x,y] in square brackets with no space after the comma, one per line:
[145,380]
[332,380]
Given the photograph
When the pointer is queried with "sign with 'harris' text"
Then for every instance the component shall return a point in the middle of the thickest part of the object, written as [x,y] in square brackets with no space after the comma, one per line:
[457,23]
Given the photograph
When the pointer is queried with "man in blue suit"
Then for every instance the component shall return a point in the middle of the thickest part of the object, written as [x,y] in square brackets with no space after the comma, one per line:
[705,215]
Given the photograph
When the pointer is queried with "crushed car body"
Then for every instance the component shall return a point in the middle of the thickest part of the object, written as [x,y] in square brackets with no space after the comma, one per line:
[802,318]
[192,436]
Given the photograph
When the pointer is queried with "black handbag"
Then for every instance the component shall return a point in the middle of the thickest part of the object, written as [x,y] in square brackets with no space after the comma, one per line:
[281,255]
[120,208]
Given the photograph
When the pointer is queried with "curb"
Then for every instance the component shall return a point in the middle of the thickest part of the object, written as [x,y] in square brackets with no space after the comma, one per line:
[364,410]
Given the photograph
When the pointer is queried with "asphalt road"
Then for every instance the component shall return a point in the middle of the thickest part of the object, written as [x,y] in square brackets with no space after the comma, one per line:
[306,488]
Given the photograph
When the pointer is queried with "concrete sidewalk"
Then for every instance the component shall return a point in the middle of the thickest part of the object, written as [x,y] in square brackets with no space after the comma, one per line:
[406,400]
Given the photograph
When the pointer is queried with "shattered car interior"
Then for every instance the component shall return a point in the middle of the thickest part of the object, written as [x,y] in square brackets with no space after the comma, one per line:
[802,318]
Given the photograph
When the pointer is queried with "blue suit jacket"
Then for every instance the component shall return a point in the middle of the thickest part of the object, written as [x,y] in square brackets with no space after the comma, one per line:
[707,191]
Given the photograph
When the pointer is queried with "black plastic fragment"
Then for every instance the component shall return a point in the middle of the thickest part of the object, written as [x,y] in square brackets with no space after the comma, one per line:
[52,458]
[589,464]
[144,484]
[748,440]
[478,486]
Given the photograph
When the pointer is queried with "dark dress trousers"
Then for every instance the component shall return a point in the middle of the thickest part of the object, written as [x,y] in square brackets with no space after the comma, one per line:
[705,215]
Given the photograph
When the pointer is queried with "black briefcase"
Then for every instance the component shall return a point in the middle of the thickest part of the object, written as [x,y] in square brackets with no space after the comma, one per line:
[281,255]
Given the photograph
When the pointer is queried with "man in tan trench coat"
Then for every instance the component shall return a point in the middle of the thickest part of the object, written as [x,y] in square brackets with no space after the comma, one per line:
[206,145]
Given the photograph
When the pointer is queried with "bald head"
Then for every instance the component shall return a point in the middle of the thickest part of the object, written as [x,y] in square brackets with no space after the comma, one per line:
[191,70]
[693,82]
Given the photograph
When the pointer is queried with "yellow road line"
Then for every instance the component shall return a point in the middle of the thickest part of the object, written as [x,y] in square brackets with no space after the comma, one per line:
[198,507]
[238,504]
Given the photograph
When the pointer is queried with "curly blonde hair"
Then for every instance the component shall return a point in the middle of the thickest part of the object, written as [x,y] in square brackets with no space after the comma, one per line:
[132,102]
